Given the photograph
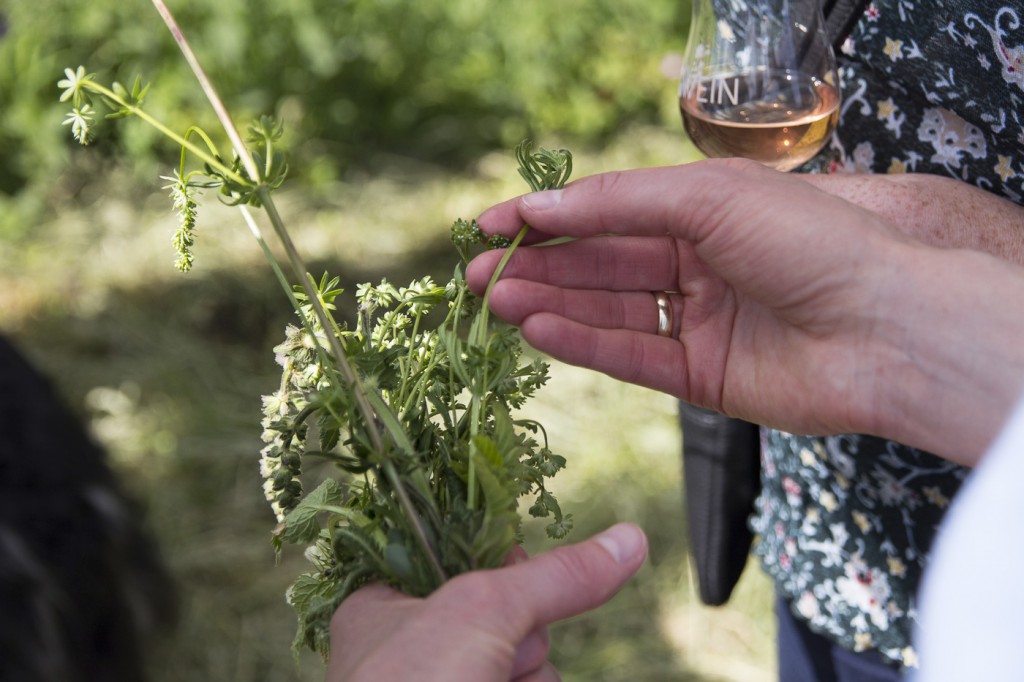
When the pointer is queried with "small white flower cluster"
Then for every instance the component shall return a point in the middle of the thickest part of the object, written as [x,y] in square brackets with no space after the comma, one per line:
[81,116]
[183,196]
[388,312]
[280,459]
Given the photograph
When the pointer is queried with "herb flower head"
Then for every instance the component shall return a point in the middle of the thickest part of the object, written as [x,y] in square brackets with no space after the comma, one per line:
[72,86]
[183,196]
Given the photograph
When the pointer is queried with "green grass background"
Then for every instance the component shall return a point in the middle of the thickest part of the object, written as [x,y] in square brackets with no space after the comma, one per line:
[168,369]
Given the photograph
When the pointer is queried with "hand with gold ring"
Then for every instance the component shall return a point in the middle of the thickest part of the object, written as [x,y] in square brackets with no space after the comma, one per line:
[753,293]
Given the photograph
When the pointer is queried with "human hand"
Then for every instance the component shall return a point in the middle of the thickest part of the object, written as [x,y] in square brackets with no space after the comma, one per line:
[937,210]
[794,308]
[482,626]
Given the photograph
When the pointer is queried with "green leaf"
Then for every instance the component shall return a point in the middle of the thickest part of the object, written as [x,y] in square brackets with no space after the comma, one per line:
[487,449]
[300,523]
[308,590]
[560,528]
[508,442]
[390,421]
[314,597]
[139,91]
[453,348]
[497,535]
[396,556]
[432,297]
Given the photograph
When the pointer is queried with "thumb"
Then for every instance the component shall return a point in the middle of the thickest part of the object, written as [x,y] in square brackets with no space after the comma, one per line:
[570,580]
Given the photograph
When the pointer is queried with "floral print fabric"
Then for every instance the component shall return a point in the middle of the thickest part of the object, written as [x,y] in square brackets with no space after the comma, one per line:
[845,523]
[934,87]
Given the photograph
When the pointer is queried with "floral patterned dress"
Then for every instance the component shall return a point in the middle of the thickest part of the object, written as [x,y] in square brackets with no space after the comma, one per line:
[845,522]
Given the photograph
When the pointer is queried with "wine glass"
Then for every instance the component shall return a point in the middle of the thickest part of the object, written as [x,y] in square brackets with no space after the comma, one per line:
[759,80]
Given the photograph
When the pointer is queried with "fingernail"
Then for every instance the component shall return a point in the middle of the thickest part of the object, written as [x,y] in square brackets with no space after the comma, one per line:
[540,201]
[623,541]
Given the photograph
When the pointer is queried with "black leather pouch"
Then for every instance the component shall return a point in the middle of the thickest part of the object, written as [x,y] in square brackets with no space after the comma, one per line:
[722,476]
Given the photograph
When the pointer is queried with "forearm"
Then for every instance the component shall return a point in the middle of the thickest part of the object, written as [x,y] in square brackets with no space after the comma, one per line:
[937,211]
[956,364]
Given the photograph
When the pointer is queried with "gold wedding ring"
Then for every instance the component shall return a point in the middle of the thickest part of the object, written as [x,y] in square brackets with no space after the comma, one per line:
[664,313]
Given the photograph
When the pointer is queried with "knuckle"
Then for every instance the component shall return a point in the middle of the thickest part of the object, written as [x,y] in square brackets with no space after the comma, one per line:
[603,186]
[348,614]
[605,183]
[476,588]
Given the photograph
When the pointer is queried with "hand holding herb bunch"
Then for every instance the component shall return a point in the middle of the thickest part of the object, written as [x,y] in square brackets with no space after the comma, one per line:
[415,405]
[487,626]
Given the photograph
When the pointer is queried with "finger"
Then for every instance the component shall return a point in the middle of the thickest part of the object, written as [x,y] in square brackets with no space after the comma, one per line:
[511,602]
[532,652]
[614,263]
[648,201]
[644,359]
[504,219]
[371,596]
[698,202]
[515,300]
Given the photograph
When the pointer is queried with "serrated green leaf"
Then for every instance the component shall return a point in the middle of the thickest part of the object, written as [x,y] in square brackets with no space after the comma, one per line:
[509,443]
[300,523]
[308,589]
[486,448]
[498,532]
[559,529]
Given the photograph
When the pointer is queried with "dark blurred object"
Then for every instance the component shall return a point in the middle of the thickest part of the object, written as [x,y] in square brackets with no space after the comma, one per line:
[722,475]
[840,17]
[81,587]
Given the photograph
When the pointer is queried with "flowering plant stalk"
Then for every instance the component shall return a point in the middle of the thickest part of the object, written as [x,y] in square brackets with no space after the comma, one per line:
[415,404]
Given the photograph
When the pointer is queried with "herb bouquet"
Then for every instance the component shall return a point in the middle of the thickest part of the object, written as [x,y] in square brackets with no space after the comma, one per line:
[415,403]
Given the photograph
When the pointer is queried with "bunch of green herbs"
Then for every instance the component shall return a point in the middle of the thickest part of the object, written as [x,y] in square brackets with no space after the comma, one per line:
[415,405]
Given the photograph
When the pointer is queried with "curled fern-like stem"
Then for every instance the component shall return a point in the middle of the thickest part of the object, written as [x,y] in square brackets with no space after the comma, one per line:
[542,170]
[131,109]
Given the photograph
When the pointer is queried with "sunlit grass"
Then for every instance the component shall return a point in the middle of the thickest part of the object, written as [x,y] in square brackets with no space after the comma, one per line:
[168,369]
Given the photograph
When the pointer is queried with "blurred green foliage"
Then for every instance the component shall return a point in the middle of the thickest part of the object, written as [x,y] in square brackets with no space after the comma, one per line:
[437,80]
[168,371]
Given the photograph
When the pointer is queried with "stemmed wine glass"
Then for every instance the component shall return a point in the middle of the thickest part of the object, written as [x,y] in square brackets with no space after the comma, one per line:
[759,80]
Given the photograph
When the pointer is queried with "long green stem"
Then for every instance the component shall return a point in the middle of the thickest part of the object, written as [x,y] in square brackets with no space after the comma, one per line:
[301,273]
[209,90]
[354,383]
[478,336]
[195,149]
[407,369]
[350,378]
[496,275]
[420,532]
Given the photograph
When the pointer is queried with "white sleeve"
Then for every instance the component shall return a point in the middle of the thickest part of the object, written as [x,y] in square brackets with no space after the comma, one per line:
[971,624]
